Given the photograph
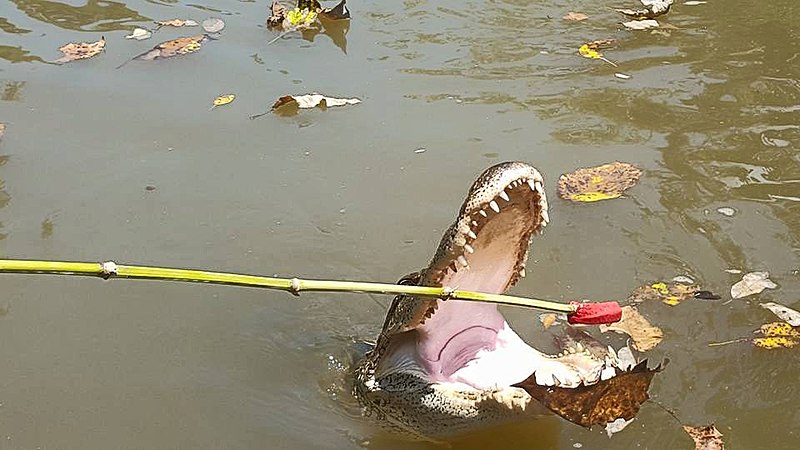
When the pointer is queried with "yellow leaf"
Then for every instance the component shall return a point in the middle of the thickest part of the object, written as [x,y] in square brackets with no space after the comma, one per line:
[593,196]
[598,183]
[778,329]
[587,52]
[672,300]
[771,343]
[223,100]
[661,288]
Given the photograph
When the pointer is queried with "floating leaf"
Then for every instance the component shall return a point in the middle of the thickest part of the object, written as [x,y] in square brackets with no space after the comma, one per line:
[605,401]
[301,18]
[784,313]
[80,50]
[669,293]
[313,100]
[777,335]
[338,12]
[139,34]
[278,15]
[653,9]
[548,320]
[588,52]
[617,426]
[598,183]
[752,283]
[640,24]
[705,438]
[176,23]
[223,100]
[645,336]
[213,25]
[180,46]
[575,16]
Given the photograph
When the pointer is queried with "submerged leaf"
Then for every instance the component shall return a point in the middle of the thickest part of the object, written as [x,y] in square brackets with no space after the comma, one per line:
[669,293]
[752,283]
[786,314]
[598,183]
[80,50]
[645,336]
[597,404]
[575,16]
[705,438]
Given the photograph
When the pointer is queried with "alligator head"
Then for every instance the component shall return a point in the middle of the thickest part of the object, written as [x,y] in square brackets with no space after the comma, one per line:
[439,367]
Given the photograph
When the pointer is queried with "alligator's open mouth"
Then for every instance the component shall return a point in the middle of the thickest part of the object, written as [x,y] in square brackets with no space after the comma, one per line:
[485,250]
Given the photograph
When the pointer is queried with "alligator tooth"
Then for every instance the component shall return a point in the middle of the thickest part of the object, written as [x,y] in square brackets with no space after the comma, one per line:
[472,235]
[579,347]
[453,266]
[532,185]
[462,260]
[571,349]
[469,249]
[495,207]
[474,224]
[483,213]
[522,272]
[545,216]
[504,196]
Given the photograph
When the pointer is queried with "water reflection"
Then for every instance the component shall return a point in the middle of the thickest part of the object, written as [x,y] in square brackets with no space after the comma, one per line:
[17,54]
[95,15]
[9,27]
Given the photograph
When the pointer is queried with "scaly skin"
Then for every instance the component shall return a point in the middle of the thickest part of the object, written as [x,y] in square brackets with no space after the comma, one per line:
[408,393]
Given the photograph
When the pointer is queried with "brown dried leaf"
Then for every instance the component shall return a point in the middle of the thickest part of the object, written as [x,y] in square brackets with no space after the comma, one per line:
[80,50]
[575,16]
[338,12]
[278,15]
[601,43]
[705,438]
[548,320]
[599,403]
[176,23]
[598,183]
[180,46]
[645,336]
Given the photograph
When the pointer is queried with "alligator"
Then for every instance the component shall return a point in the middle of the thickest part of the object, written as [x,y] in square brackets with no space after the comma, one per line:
[442,367]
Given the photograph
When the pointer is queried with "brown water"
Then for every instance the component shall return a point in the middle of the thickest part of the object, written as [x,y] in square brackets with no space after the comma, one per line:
[711,114]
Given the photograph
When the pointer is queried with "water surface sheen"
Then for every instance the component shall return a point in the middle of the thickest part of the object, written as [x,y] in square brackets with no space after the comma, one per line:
[710,114]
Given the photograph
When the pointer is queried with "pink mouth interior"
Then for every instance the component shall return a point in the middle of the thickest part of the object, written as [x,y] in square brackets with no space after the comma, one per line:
[458,330]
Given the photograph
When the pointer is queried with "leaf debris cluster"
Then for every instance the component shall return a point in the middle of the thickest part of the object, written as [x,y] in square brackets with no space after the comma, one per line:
[603,182]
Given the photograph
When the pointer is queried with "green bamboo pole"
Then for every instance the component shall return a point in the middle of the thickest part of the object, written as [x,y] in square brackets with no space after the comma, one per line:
[109,269]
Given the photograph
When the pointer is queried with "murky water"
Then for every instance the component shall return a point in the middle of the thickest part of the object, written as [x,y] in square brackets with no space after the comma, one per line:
[711,114]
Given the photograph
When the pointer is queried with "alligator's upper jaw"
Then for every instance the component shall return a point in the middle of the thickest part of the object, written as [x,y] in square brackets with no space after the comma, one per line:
[485,250]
